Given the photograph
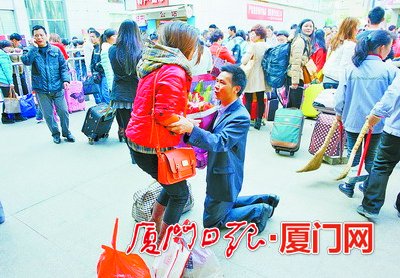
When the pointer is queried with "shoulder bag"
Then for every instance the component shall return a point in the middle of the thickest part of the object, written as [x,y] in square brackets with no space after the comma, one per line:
[11,103]
[173,165]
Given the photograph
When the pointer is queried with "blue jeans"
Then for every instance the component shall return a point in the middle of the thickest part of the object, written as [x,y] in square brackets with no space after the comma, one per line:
[247,208]
[104,95]
[369,159]
[172,196]
[387,157]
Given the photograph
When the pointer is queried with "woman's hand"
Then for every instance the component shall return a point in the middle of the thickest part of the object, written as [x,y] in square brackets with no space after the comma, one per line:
[373,120]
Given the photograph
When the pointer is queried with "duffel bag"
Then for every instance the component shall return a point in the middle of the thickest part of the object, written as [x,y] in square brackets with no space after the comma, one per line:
[144,199]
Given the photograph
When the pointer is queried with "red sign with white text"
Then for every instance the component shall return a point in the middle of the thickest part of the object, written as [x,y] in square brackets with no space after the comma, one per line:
[145,4]
[259,12]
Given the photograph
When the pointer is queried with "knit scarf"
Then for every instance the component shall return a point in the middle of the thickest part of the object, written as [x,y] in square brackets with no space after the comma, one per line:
[154,56]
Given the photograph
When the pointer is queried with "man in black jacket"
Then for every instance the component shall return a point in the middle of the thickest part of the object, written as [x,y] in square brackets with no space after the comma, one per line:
[49,78]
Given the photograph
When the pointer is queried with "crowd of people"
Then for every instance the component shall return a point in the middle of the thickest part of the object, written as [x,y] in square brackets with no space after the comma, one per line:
[147,81]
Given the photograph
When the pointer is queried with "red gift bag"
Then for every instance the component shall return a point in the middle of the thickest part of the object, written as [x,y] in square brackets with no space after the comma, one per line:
[114,263]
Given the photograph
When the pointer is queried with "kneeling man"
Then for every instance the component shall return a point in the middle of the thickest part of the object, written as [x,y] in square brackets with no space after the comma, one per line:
[226,146]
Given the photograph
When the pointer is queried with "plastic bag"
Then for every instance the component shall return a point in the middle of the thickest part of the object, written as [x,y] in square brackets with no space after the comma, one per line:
[171,263]
[202,263]
[28,107]
[114,263]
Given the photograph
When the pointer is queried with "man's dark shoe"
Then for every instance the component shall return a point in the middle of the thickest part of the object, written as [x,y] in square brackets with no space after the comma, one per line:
[257,124]
[273,201]
[265,215]
[70,138]
[370,215]
[347,189]
[57,139]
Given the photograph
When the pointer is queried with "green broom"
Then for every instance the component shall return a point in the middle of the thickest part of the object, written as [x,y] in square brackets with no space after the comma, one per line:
[316,161]
[360,138]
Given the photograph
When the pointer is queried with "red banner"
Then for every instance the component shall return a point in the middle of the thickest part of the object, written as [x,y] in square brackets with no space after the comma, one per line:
[259,12]
[145,4]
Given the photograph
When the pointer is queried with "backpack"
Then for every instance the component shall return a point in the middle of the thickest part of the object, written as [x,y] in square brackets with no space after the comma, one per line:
[237,53]
[275,64]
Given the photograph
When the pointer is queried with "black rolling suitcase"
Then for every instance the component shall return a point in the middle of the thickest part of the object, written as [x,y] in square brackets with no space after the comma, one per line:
[98,122]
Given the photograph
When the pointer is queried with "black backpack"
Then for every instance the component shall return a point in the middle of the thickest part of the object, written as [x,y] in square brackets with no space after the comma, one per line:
[275,64]
[237,53]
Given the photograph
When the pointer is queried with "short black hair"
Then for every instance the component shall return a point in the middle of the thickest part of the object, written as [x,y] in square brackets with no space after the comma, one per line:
[216,35]
[15,36]
[241,33]
[282,33]
[238,76]
[376,15]
[65,41]
[97,34]
[90,29]
[38,27]
[232,28]
[213,26]
[5,43]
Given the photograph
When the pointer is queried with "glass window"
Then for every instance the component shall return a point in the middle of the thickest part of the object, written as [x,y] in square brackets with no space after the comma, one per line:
[49,13]
[34,9]
[7,22]
[37,22]
[54,10]
[58,27]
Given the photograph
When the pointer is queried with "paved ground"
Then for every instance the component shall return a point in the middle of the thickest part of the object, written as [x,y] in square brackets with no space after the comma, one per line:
[61,202]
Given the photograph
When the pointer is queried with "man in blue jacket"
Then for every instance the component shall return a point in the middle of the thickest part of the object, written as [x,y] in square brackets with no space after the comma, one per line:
[49,78]
[226,146]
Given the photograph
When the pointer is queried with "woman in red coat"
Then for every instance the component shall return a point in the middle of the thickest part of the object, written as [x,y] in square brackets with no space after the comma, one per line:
[164,70]
[219,50]
[319,49]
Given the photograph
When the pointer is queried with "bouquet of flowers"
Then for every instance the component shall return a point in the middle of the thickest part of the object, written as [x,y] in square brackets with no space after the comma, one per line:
[200,104]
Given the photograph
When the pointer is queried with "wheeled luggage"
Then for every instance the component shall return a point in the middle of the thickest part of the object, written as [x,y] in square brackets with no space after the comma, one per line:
[325,101]
[287,129]
[75,97]
[98,122]
[310,94]
[334,152]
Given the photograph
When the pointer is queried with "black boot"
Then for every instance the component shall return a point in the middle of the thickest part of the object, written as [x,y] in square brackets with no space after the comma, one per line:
[257,124]
[121,134]
[19,118]
[5,119]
